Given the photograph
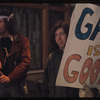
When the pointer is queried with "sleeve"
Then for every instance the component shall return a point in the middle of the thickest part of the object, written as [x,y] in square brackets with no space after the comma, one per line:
[20,71]
[45,88]
[45,83]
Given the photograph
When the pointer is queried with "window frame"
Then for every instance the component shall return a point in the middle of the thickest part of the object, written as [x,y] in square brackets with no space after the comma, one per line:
[45,7]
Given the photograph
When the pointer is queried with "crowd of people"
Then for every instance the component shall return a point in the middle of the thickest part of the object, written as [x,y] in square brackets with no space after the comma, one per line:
[15,59]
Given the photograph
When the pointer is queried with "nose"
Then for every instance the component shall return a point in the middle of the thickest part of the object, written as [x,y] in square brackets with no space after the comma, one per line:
[58,37]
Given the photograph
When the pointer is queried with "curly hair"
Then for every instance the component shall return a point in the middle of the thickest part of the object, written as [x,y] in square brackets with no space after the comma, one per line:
[60,24]
[9,24]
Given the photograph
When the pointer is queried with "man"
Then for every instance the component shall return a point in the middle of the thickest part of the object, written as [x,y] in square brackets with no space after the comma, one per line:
[58,38]
[14,57]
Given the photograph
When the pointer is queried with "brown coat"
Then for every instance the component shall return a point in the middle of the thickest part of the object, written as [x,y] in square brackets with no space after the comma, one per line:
[19,58]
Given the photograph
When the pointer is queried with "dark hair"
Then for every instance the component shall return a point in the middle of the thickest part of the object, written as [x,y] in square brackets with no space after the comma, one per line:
[9,24]
[60,24]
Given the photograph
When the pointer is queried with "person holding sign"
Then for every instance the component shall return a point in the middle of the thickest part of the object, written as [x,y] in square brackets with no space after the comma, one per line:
[14,58]
[80,63]
[59,34]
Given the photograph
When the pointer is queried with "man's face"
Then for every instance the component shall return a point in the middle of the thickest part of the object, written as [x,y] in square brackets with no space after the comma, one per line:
[2,27]
[60,38]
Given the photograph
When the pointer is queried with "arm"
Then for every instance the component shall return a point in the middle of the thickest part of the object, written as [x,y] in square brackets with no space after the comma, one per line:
[45,88]
[20,71]
[45,83]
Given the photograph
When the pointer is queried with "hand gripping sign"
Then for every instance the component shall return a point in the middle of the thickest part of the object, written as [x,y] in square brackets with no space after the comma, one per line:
[81,59]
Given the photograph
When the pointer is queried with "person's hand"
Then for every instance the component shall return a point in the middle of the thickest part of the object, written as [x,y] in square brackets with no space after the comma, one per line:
[4,78]
[86,92]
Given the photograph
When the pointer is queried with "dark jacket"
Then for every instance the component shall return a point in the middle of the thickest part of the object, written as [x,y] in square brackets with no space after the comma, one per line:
[49,78]
[19,58]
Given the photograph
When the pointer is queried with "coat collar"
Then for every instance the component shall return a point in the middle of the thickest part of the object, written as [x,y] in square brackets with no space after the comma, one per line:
[12,37]
[14,47]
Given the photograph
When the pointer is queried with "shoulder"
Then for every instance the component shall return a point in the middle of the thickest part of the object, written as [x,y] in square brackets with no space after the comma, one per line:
[22,40]
[22,37]
[50,56]
[49,60]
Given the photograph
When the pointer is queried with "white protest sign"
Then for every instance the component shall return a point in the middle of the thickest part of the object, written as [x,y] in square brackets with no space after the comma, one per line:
[81,59]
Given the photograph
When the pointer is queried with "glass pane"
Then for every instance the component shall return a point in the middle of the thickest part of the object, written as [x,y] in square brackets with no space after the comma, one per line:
[54,17]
